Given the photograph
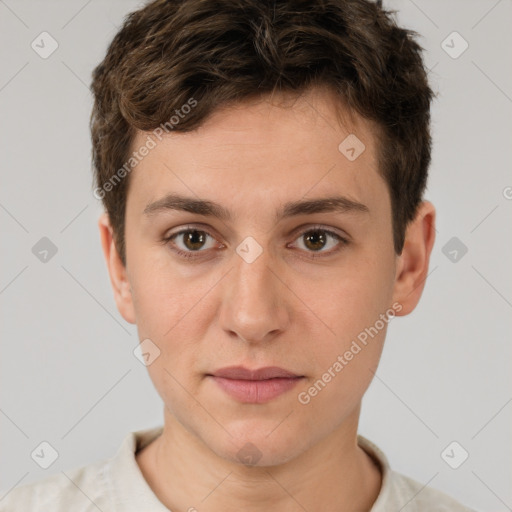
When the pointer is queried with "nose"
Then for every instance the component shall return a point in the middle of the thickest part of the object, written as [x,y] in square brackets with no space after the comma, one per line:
[254,306]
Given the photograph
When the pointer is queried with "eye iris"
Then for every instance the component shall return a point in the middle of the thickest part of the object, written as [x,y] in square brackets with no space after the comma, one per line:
[314,237]
[194,239]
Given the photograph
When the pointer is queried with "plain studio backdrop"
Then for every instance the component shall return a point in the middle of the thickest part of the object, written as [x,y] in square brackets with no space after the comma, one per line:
[68,373]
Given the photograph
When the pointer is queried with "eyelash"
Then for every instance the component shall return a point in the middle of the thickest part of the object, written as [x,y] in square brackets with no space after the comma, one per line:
[193,254]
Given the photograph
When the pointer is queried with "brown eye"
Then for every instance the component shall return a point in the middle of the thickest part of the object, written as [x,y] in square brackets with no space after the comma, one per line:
[320,241]
[194,239]
[315,240]
[189,241]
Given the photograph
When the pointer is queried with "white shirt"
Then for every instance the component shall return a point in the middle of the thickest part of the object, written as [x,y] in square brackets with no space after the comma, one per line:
[117,484]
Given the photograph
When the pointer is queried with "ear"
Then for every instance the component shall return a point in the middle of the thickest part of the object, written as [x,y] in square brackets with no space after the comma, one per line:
[412,265]
[117,271]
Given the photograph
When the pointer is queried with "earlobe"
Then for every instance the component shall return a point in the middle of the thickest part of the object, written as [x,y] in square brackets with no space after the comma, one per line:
[117,271]
[413,263]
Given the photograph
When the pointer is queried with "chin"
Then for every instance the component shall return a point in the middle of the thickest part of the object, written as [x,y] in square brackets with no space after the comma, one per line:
[254,444]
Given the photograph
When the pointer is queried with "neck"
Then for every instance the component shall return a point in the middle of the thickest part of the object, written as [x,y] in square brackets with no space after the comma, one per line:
[185,475]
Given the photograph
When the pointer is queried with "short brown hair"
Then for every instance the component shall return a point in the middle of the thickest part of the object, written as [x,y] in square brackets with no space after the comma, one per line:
[224,51]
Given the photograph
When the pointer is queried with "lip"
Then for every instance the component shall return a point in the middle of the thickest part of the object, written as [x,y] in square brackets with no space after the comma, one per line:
[242,373]
[255,386]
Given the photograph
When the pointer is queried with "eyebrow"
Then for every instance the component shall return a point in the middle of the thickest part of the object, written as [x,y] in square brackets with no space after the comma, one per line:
[208,208]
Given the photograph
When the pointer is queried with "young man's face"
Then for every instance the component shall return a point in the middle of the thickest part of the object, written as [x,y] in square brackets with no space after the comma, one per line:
[263,289]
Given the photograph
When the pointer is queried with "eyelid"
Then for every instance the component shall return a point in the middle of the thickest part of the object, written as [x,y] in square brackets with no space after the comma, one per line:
[343,238]
[295,232]
[191,227]
[304,228]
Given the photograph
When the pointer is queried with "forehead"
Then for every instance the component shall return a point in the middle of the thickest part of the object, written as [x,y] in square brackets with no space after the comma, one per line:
[255,153]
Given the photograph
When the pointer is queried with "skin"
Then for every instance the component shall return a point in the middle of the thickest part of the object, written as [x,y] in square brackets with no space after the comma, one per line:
[284,309]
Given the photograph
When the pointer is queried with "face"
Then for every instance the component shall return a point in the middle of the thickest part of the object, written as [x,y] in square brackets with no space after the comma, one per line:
[267,278]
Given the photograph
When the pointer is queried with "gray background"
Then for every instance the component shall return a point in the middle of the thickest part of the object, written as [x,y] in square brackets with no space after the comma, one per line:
[68,372]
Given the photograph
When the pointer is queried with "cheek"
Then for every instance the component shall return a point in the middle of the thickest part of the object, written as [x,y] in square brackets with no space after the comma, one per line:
[168,308]
[164,297]
[174,311]
[356,306]
[351,309]
[353,298]
[339,386]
